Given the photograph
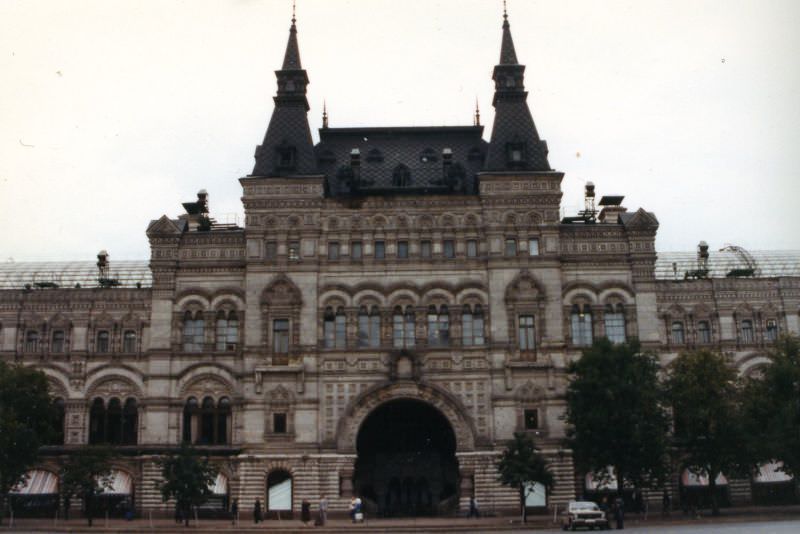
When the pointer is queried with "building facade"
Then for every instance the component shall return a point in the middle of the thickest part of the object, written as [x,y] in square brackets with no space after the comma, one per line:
[399,302]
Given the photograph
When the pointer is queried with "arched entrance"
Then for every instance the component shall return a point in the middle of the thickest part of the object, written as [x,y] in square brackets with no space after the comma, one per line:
[406,462]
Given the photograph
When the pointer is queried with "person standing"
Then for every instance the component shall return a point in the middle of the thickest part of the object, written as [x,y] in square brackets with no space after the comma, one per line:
[473,507]
[305,512]
[234,511]
[323,510]
[257,512]
[666,503]
[619,513]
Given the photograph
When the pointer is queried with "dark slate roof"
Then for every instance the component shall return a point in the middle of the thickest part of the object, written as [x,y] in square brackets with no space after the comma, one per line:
[382,149]
[291,60]
[508,56]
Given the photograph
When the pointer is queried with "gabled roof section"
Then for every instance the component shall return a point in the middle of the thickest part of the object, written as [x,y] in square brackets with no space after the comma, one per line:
[639,219]
[165,227]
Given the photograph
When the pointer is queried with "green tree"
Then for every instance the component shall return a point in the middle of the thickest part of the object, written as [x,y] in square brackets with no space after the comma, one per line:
[772,407]
[616,415]
[520,465]
[709,431]
[86,473]
[187,478]
[26,423]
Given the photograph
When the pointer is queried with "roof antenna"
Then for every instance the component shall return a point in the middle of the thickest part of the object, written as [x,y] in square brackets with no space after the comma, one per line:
[477,113]
[324,114]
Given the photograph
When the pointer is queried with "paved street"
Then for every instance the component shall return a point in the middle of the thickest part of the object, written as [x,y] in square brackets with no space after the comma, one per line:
[752,527]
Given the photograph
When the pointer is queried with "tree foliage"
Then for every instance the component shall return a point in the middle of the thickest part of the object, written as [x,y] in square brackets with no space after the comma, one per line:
[772,407]
[26,423]
[709,430]
[86,473]
[522,464]
[187,478]
[616,414]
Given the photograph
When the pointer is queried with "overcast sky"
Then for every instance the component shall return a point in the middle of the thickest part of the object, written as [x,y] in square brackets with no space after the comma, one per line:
[112,113]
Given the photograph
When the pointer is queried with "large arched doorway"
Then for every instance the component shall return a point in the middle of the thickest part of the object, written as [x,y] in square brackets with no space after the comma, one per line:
[406,462]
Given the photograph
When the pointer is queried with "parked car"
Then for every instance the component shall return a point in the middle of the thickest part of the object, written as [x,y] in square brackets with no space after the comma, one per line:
[584,514]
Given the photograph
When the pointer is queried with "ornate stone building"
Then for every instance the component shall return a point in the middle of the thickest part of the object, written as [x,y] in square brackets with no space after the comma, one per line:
[399,302]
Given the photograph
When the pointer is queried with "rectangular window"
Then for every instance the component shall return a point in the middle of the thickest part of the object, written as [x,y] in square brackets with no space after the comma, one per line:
[511,247]
[271,250]
[402,249]
[449,248]
[527,333]
[425,249]
[356,250]
[703,333]
[129,341]
[294,250]
[677,333]
[58,341]
[380,250]
[472,248]
[772,330]
[333,250]
[531,419]
[102,341]
[581,322]
[615,326]
[375,329]
[747,331]
[533,247]
[341,330]
[280,336]
[279,423]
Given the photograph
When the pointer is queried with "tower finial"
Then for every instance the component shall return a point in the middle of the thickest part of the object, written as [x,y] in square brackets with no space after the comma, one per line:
[477,113]
[505,10]
[294,11]
[324,114]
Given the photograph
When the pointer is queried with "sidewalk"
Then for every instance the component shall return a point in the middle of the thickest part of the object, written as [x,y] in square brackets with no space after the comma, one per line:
[400,525]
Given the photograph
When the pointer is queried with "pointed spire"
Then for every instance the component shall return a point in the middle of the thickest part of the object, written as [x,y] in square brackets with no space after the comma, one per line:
[477,113]
[291,61]
[324,114]
[508,56]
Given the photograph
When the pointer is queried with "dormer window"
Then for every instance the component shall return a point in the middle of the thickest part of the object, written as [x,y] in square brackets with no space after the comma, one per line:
[515,153]
[428,156]
[401,177]
[286,157]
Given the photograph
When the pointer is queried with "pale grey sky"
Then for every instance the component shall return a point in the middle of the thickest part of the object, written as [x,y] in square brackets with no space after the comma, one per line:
[112,113]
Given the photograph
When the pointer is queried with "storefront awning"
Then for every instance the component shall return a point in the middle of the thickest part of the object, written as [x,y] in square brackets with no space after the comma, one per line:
[38,482]
[689,479]
[770,473]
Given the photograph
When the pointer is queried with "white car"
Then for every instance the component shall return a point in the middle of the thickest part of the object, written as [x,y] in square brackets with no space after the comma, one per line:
[584,514]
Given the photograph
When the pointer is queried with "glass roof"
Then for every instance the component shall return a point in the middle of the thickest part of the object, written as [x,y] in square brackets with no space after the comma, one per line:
[729,262]
[15,275]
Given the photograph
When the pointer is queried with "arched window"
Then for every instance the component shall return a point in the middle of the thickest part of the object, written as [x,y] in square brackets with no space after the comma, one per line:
[193,332]
[329,328]
[340,330]
[438,326]
[410,333]
[58,422]
[614,320]
[189,420]
[129,341]
[374,327]
[32,341]
[581,322]
[771,333]
[114,422]
[102,346]
[97,422]
[747,331]
[527,333]
[471,326]
[130,422]
[703,333]
[227,333]
[207,423]
[403,327]
[363,327]
[677,337]
[57,344]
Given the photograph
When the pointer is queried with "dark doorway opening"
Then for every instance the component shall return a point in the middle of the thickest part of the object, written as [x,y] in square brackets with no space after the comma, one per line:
[406,462]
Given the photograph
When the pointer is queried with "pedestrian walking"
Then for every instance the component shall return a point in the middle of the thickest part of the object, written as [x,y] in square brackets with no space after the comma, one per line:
[666,503]
[473,507]
[305,512]
[323,510]
[257,512]
[619,513]
[234,511]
